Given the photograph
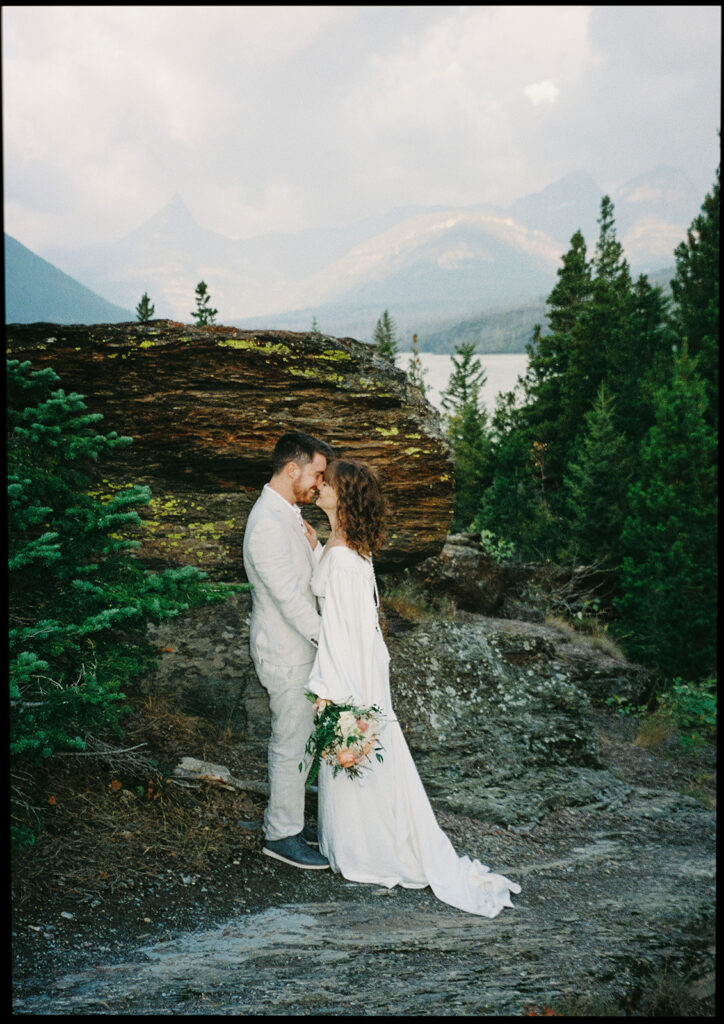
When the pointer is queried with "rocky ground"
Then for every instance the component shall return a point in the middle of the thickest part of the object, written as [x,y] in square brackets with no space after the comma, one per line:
[143,898]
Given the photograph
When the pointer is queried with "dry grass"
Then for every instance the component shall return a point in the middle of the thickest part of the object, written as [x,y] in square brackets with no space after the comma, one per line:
[654,730]
[562,625]
[606,644]
[592,634]
[105,820]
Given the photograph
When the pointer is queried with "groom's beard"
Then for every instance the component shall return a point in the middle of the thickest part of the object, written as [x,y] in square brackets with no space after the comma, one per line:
[304,495]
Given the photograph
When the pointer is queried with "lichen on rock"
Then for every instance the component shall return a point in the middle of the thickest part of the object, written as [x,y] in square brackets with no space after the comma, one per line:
[205,406]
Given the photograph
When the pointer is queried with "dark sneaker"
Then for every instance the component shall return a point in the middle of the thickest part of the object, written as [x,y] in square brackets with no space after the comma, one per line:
[310,836]
[293,850]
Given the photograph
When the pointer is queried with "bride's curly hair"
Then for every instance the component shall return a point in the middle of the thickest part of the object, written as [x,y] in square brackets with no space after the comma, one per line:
[361,506]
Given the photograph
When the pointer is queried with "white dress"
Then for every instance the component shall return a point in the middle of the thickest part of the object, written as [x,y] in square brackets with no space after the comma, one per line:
[380,827]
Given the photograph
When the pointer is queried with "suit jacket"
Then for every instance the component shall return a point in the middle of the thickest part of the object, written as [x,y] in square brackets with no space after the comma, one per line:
[279,563]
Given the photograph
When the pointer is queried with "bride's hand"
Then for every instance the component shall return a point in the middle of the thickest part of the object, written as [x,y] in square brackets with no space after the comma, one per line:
[320,704]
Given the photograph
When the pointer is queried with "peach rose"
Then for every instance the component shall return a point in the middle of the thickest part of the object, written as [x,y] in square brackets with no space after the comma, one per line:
[345,758]
[362,725]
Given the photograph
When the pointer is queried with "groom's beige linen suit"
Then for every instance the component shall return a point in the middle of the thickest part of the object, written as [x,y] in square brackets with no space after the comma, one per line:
[283,633]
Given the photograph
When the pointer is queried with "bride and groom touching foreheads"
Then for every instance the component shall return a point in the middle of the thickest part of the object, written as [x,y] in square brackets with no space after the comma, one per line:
[314,629]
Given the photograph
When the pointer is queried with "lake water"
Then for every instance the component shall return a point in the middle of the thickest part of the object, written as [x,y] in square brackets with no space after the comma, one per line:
[502,370]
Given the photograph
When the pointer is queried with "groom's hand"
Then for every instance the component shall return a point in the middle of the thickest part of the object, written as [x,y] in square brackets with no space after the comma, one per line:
[310,533]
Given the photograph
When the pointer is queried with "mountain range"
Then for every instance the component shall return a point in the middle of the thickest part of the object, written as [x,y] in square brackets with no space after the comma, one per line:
[36,292]
[430,266]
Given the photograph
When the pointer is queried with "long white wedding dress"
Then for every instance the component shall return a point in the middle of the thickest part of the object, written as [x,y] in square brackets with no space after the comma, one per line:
[380,827]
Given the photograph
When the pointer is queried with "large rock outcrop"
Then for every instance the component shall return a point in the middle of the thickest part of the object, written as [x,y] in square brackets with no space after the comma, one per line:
[497,712]
[205,406]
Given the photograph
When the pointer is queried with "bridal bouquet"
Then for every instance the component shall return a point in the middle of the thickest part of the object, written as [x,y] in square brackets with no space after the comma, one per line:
[345,736]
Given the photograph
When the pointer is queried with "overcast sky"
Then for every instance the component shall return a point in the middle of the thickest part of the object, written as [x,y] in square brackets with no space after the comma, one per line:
[279,118]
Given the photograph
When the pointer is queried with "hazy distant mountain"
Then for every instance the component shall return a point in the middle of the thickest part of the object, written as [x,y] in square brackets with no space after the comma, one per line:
[37,292]
[653,212]
[568,205]
[428,266]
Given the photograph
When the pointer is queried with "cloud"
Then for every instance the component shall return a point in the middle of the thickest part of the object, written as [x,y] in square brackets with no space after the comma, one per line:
[542,92]
[277,118]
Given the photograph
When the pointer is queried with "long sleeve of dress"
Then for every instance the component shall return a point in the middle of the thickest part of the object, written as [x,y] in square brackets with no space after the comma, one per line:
[342,671]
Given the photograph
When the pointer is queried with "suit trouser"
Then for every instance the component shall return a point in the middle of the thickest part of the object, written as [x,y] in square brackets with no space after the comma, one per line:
[292,721]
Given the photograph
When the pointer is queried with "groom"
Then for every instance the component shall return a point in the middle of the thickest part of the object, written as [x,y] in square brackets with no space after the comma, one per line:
[280,553]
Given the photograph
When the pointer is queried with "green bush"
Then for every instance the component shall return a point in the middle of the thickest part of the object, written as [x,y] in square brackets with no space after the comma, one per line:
[693,708]
[79,600]
[689,708]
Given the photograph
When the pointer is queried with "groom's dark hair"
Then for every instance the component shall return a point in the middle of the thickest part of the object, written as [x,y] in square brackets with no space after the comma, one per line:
[295,446]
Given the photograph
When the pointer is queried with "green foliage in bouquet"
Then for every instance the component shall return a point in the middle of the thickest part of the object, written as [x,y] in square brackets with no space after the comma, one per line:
[331,737]
[79,601]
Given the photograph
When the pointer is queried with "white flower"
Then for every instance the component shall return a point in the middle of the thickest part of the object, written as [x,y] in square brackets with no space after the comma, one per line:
[347,724]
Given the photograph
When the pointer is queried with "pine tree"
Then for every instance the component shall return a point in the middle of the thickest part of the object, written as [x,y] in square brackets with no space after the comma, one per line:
[203,313]
[643,366]
[470,442]
[467,431]
[606,334]
[314,330]
[595,484]
[79,602]
[511,505]
[465,382]
[385,337]
[144,309]
[668,580]
[696,292]
[550,411]
[416,372]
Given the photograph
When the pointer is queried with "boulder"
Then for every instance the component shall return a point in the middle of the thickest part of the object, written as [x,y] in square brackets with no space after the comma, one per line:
[463,572]
[497,712]
[205,406]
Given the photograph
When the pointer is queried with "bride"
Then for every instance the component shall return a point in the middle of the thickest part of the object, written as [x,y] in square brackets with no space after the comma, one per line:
[380,827]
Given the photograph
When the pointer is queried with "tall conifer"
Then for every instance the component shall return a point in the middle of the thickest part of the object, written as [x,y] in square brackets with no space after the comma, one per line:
[595,485]
[467,430]
[696,292]
[668,581]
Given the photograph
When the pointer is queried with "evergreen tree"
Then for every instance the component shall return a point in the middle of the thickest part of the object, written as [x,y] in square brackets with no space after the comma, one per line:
[203,313]
[696,293]
[465,382]
[467,431]
[415,370]
[315,332]
[668,580]
[385,337]
[144,309]
[643,366]
[606,335]
[550,411]
[511,504]
[79,602]
[595,484]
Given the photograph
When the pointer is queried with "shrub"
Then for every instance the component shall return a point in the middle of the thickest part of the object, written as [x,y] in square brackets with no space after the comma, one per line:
[79,600]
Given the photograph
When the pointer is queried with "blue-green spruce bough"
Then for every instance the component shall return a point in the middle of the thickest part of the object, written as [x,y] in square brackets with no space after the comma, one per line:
[79,600]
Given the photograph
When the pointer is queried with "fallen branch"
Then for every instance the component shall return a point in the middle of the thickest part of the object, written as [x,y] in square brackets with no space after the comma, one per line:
[110,752]
[190,771]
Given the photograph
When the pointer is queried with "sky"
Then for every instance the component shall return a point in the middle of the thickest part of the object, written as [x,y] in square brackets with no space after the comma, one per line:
[281,118]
